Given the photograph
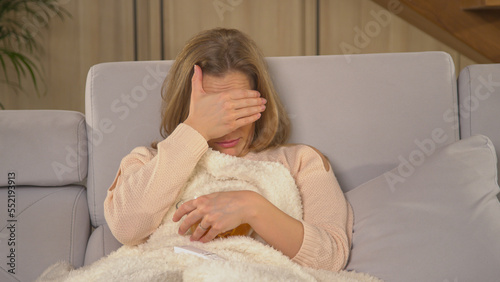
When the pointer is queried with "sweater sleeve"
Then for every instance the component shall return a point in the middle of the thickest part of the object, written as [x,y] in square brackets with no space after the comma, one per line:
[148,182]
[328,217]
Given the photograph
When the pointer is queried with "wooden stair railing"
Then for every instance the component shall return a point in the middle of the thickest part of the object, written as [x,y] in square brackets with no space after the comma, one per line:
[480,4]
[474,33]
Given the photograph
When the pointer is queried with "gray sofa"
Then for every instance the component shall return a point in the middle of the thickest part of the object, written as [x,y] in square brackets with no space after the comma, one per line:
[390,124]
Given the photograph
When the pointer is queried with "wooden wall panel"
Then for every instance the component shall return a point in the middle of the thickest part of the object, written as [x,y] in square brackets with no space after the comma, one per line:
[473,33]
[98,31]
[361,26]
[463,62]
[149,30]
[279,27]
[124,30]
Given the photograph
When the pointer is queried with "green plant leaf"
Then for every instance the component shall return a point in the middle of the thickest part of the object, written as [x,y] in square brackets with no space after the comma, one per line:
[4,67]
[16,65]
[23,65]
[31,67]
[19,41]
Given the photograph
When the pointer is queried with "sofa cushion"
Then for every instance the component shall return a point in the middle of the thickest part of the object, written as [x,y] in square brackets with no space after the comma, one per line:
[364,111]
[361,111]
[48,225]
[101,243]
[432,219]
[43,147]
[479,90]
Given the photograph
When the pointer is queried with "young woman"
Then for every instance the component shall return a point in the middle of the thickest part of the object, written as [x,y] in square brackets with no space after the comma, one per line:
[219,94]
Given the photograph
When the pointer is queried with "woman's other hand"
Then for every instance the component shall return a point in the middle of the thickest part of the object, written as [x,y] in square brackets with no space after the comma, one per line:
[216,213]
[223,211]
[214,115]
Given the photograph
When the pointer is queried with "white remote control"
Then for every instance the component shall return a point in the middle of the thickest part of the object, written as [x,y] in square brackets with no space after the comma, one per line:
[197,252]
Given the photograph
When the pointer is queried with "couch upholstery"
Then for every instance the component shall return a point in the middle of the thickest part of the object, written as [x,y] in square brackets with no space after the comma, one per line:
[479,98]
[367,113]
[123,106]
[44,153]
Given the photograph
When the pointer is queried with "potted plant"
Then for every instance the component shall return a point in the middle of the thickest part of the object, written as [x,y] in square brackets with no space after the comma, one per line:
[21,23]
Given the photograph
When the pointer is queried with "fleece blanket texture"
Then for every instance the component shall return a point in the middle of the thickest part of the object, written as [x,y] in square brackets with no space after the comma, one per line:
[245,258]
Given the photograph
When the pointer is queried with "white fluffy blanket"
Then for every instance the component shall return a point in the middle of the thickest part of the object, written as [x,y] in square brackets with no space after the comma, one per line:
[246,259]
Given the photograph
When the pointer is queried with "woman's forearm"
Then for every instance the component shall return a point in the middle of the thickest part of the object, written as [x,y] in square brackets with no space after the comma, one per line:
[278,229]
[147,185]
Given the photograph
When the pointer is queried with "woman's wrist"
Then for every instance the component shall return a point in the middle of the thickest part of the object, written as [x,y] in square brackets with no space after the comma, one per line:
[272,225]
[255,204]
[195,127]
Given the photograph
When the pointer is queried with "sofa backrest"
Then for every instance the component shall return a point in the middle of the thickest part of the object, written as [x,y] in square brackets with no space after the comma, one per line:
[46,147]
[122,109]
[479,96]
[43,205]
[366,113]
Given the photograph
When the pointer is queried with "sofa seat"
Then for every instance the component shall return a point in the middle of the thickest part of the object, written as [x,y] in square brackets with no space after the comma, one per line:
[44,214]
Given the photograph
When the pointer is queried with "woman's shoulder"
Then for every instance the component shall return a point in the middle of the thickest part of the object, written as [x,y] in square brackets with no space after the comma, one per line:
[297,155]
[141,153]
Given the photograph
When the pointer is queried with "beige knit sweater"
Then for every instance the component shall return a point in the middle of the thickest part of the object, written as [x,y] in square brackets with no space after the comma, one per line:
[148,182]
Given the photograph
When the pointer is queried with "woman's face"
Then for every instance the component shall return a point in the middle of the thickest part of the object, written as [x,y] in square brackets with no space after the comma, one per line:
[237,142]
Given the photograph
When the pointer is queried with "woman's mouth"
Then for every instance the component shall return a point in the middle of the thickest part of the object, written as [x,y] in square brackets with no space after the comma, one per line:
[229,143]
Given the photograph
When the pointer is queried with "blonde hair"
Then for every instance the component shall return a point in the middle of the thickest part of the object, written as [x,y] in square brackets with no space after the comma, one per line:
[219,51]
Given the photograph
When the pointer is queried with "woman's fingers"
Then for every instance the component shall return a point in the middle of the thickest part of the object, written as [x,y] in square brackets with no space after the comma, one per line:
[208,236]
[248,112]
[207,230]
[243,94]
[244,111]
[202,230]
[182,210]
[237,104]
[214,213]
[197,82]
[191,219]
[195,211]
[214,115]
